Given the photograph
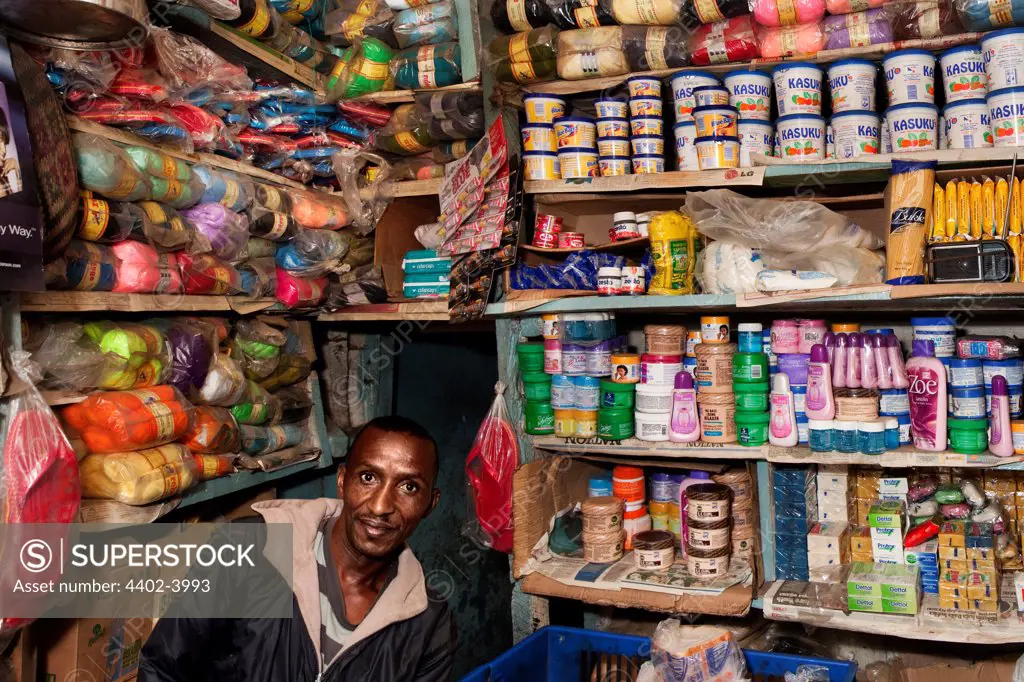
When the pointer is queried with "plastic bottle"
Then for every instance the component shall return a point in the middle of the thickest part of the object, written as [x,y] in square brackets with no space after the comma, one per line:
[821,404]
[684,426]
[988,347]
[882,365]
[695,478]
[927,393]
[855,343]
[868,366]
[782,427]
[839,362]
[1000,440]
[899,372]
[829,341]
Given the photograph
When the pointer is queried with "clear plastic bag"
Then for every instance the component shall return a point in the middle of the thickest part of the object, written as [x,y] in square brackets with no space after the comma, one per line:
[787,41]
[108,170]
[291,369]
[186,64]
[293,291]
[224,384]
[167,230]
[319,210]
[138,478]
[361,70]
[362,286]
[313,253]
[790,235]
[257,347]
[83,267]
[732,40]
[427,24]
[524,57]
[706,652]
[117,421]
[847,6]
[133,355]
[207,274]
[213,432]
[357,19]
[911,19]
[209,467]
[192,343]
[107,222]
[365,204]
[258,277]
[857,29]
[449,105]
[490,466]
[257,406]
[233,191]
[141,270]
[768,13]
[226,231]
[262,440]
[430,66]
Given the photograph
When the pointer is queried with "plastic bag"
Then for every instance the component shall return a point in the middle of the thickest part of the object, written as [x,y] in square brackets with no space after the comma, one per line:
[107,170]
[525,57]
[430,66]
[138,478]
[446,152]
[365,203]
[259,248]
[787,41]
[262,440]
[291,369]
[490,466]
[673,250]
[514,16]
[711,11]
[257,406]
[118,421]
[858,29]
[187,64]
[294,292]
[570,14]
[83,267]
[617,50]
[362,69]
[313,253]
[207,274]
[108,222]
[224,384]
[362,286]
[167,230]
[847,6]
[732,40]
[272,225]
[706,652]
[768,13]
[233,191]
[935,18]
[636,12]
[459,106]
[357,19]
[133,355]
[192,343]
[209,467]
[257,347]
[296,405]
[792,235]
[226,230]
[214,432]
[258,277]
[137,83]
[65,357]
[206,130]
[141,270]
[427,24]
[319,210]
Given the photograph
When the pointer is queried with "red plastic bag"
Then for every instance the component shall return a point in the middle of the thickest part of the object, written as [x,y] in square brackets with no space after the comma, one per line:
[490,466]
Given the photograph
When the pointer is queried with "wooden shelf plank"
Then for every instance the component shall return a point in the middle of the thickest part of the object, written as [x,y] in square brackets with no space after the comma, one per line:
[731,177]
[406,96]
[425,311]
[88,301]
[639,448]
[609,246]
[295,70]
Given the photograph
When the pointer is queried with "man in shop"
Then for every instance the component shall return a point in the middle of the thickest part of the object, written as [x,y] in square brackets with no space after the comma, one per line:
[362,609]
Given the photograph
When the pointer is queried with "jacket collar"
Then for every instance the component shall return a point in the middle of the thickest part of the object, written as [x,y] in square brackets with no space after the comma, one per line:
[404,597]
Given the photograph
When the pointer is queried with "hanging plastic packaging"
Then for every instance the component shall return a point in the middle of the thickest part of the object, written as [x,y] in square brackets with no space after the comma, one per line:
[133,355]
[524,57]
[206,274]
[224,384]
[490,466]
[257,406]
[427,24]
[226,231]
[83,267]
[117,421]
[262,440]
[138,478]
[141,270]
[294,292]
[108,170]
[213,432]
[258,277]
[430,66]
[732,40]
[234,191]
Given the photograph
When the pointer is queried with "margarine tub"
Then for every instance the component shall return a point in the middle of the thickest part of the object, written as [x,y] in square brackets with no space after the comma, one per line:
[653,163]
[612,146]
[610,166]
[683,84]
[712,121]
[855,133]
[1006,111]
[575,132]
[966,124]
[718,152]
[756,137]
[539,137]
[801,136]
[640,107]
[909,76]
[686,149]
[963,73]
[542,166]
[912,127]
[750,92]
[852,85]
[543,108]
[648,145]
[1003,55]
[710,96]
[613,127]
[648,125]
[798,88]
[610,107]
[578,162]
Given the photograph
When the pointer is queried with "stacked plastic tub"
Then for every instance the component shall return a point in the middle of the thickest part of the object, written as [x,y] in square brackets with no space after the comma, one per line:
[646,124]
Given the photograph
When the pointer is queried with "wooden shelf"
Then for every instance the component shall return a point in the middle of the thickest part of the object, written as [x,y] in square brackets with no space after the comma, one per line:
[262,54]
[897,459]
[609,246]
[639,448]
[730,177]
[94,301]
[425,311]
[405,96]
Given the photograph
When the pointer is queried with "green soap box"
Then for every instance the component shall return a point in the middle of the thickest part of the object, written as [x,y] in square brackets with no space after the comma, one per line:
[886,515]
[870,604]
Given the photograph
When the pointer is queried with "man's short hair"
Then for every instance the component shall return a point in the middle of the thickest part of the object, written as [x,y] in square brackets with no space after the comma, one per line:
[403,425]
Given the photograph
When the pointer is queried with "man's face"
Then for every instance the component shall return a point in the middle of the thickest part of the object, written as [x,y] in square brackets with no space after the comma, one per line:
[387,486]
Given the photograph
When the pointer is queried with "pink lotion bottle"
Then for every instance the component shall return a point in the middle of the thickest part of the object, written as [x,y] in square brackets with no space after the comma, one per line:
[855,344]
[899,372]
[684,427]
[882,365]
[821,403]
[839,362]
[1000,441]
[782,422]
[927,393]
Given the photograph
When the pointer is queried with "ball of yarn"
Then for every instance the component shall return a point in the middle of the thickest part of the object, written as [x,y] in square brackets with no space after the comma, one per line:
[787,12]
[190,356]
[226,230]
[432,66]
[89,267]
[143,270]
[847,6]
[786,41]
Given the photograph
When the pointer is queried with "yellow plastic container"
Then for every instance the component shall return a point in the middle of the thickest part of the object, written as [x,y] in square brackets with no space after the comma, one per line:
[674,250]
[565,423]
[586,423]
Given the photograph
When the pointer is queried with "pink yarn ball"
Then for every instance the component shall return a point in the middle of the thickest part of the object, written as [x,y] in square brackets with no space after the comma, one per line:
[142,270]
[787,41]
[766,12]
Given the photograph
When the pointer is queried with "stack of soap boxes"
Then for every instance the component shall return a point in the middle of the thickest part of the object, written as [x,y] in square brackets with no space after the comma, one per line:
[796,499]
[883,588]
[926,557]
[828,542]
[968,568]
[425,274]
[836,487]
[887,521]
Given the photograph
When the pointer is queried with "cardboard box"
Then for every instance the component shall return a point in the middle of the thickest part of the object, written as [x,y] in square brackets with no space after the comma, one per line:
[924,555]
[1018,588]
[395,236]
[893,486]
[828,537]
[953,553]
[953,534]
[93,648]
[887,515]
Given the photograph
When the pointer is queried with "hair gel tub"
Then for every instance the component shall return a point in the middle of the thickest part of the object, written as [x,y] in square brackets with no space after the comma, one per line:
[963,74]
[751,93]
[909,77]
[912,127]
[1003,55]
[683,84]
[967,125]
[852,84]
[856,133]
[798,88]
[801,136]
[1006,111]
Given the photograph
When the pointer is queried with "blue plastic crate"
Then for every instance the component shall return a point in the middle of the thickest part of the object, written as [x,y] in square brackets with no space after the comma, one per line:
[555,654]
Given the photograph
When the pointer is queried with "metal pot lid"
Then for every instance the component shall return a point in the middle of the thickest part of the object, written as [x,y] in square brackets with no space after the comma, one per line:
[70,22]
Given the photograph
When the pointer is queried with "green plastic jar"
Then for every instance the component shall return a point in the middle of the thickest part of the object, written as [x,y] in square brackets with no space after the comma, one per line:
[968,436]
[617,396]
[749,368]
[752,428]
[540,419]
[751,397]
[615,424]
[531,357]
[537,387]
